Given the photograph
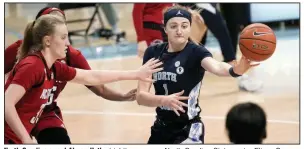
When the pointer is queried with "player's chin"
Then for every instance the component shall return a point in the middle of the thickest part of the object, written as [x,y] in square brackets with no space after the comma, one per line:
[180,40]
[62,54]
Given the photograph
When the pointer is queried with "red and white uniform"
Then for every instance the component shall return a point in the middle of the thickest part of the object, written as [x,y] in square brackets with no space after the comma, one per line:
[33,74]
[51,116]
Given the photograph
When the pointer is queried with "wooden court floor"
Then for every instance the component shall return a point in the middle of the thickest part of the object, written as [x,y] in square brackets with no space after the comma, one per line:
[91,119]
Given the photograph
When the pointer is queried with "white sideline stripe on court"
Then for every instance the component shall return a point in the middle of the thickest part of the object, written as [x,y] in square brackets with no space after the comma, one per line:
[152,114]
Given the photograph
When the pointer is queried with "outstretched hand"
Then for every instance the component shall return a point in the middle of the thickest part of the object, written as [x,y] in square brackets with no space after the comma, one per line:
[243,65]
[173,102]
[145,71]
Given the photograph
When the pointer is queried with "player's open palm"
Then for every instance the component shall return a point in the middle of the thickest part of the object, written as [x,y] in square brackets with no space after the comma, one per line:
[173,101]
[145,71]
[243,65]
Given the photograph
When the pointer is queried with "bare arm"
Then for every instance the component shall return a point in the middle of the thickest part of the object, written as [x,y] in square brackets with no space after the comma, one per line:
[12,95]
[111,94]
[222,69]
[97,77]
[144,97]
[216,67]
[5,77]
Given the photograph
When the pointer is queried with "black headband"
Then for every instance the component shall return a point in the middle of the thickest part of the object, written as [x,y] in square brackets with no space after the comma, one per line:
[177,13]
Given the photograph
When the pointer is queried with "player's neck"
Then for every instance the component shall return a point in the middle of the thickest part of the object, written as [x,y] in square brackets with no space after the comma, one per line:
[50,60]
[176,47]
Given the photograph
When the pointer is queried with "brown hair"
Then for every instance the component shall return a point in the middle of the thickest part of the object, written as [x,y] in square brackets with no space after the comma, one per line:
[35,31]
[194,14]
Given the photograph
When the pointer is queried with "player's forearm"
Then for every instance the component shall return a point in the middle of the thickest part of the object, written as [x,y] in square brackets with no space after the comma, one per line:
[112,94]
[107,76]
[148,99]
[107,93]
[223,69]
[14,122]
[97,77]
[216,67]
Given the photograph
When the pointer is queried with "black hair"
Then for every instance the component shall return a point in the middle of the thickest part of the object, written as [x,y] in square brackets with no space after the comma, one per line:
[246,124]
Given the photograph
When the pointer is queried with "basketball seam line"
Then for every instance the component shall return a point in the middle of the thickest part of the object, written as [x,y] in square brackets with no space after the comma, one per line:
[259,40]
[254,52]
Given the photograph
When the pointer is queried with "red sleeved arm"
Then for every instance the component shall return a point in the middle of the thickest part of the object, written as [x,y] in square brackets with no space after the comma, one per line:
[137,13]
[10,54]
[64,72]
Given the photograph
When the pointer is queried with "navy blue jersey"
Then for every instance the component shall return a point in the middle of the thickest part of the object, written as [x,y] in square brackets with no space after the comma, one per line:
[182,71]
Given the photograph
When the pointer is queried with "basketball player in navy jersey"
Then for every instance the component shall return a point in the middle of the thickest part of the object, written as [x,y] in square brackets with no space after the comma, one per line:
[177,87]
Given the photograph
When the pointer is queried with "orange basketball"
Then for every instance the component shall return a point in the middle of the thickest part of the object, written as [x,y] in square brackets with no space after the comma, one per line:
[257,42]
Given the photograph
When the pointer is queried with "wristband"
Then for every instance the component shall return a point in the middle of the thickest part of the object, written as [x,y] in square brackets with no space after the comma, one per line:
[233,74]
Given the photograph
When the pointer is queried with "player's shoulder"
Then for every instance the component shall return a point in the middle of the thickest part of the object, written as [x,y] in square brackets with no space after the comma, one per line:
[19,42]
[157,47]
[196,47]
[199,50]
[32,59]
[15,45]
[32,62]
[73,51]
[193,45]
